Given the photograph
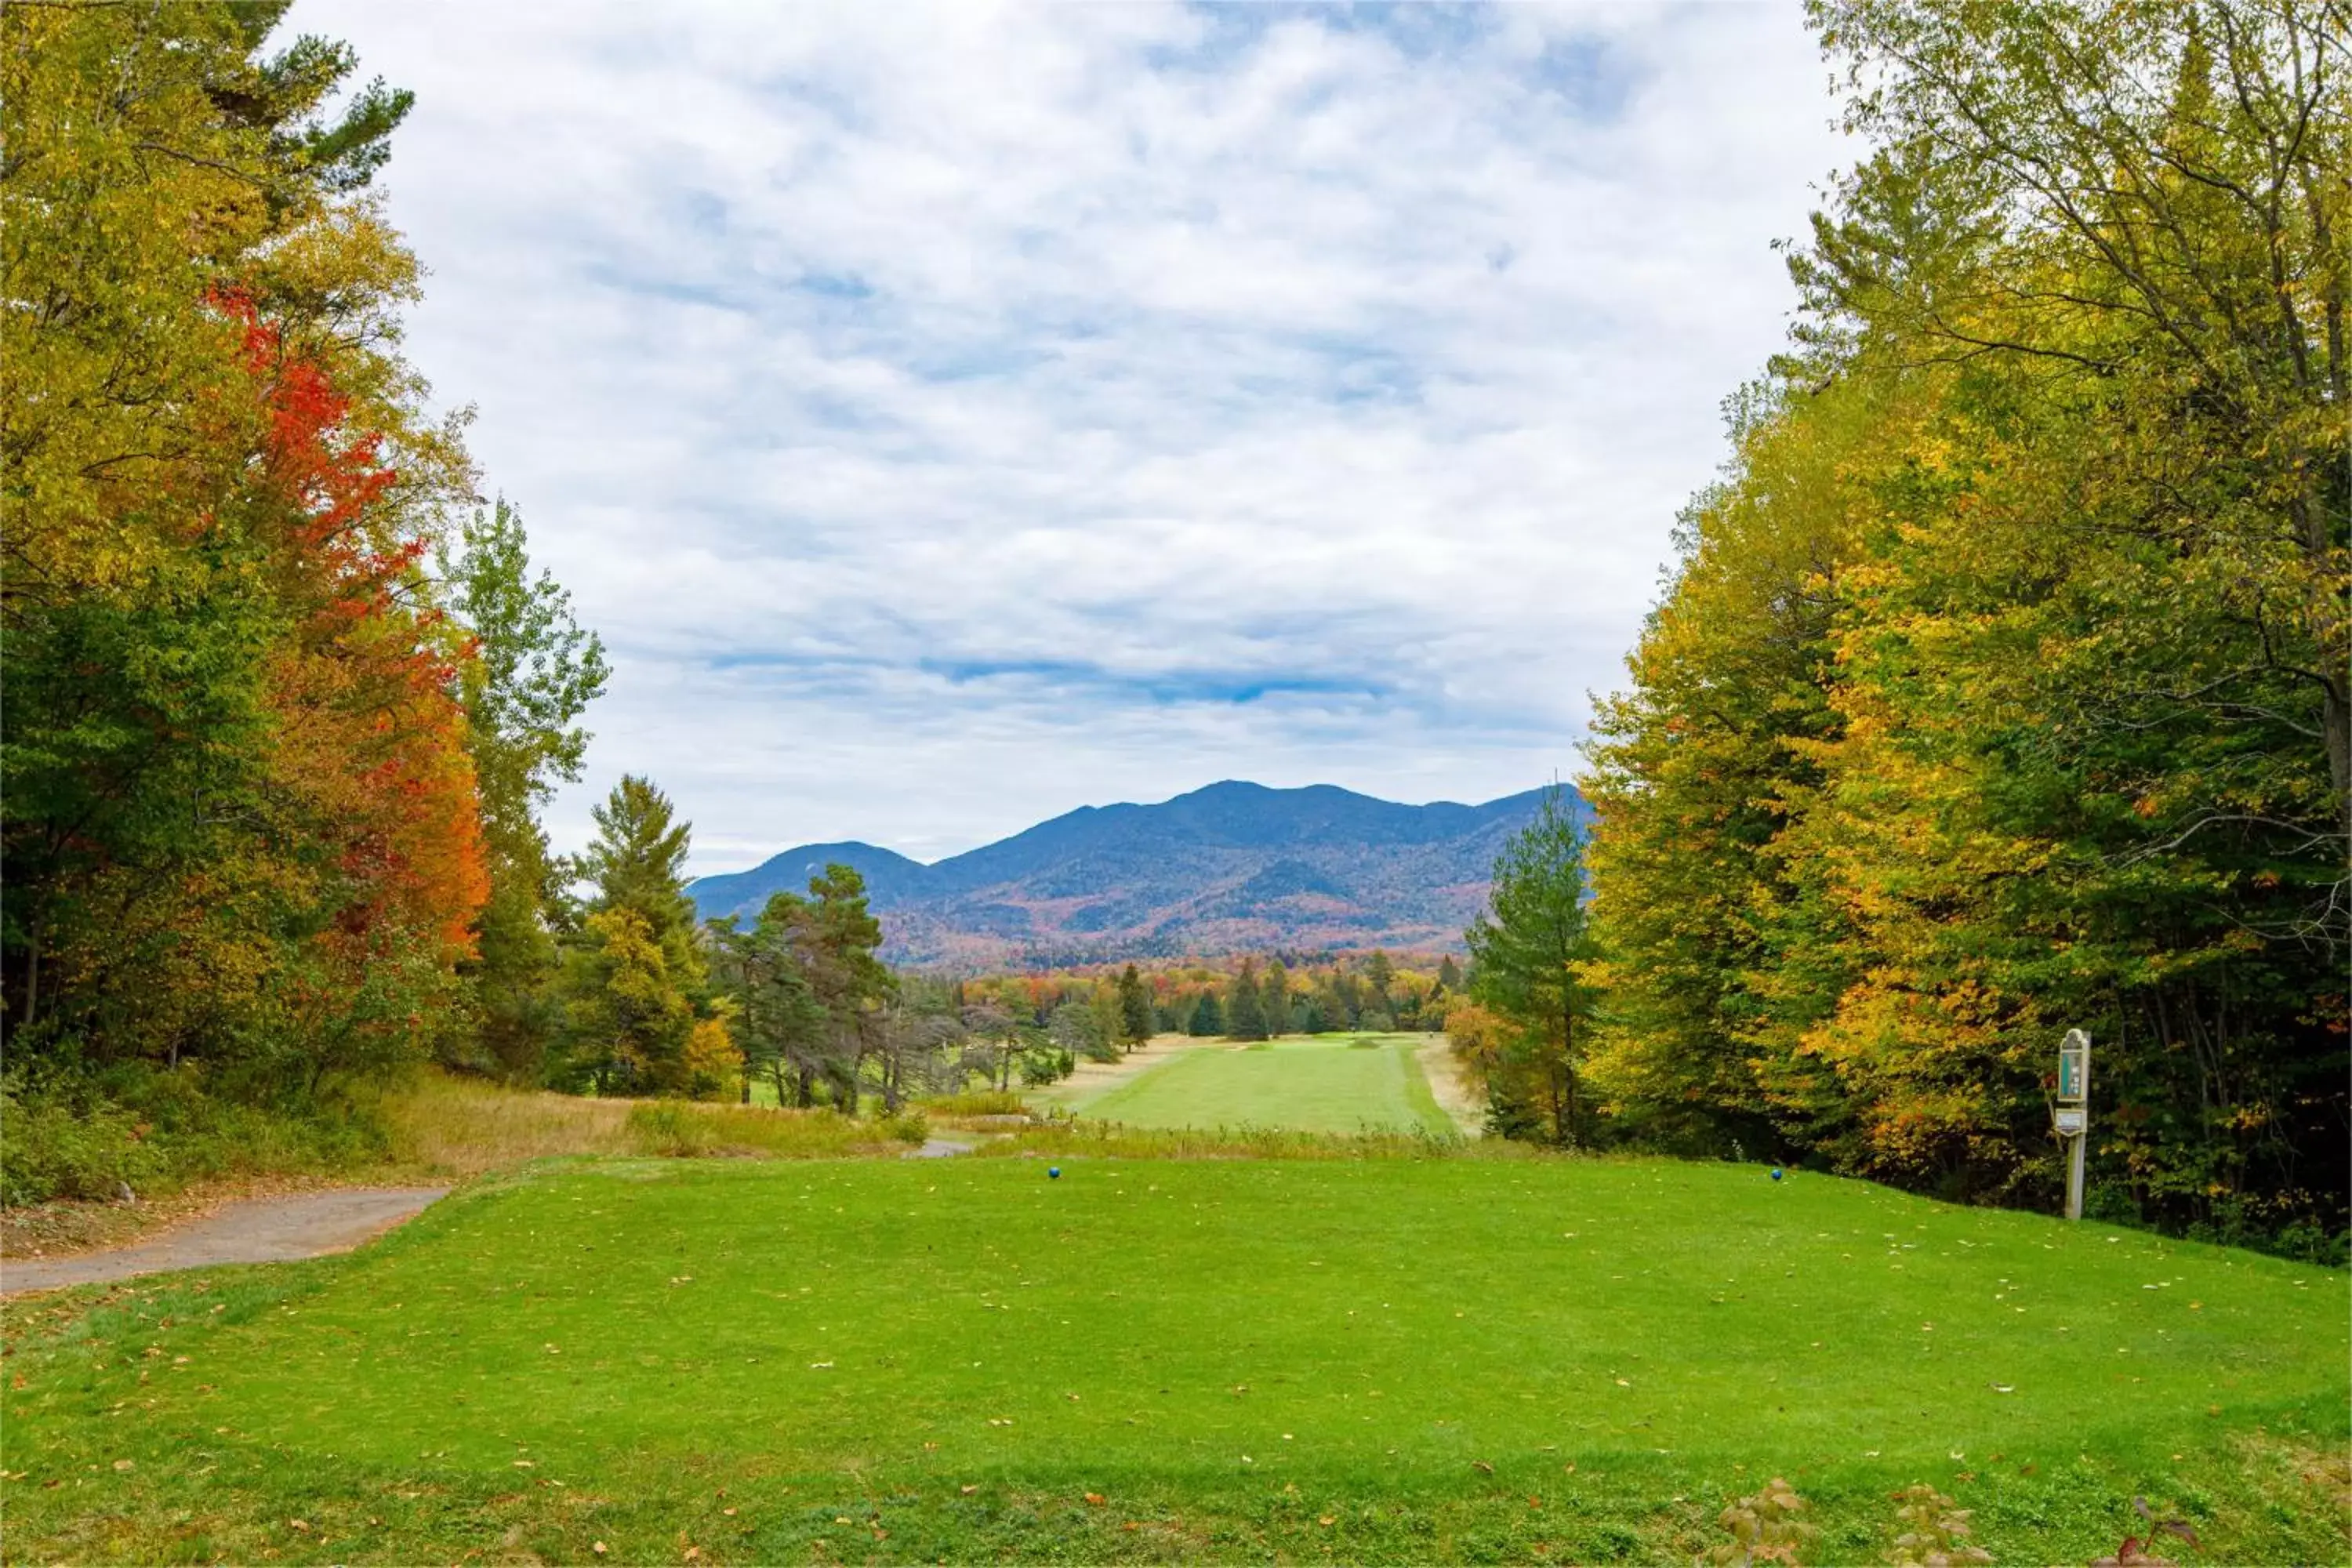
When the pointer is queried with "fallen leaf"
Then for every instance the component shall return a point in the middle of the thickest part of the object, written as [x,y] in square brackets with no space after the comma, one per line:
[124,1465]
[692,1552]
[968,1490]
[1096,1498]
[1327,1521]
[1482,1465]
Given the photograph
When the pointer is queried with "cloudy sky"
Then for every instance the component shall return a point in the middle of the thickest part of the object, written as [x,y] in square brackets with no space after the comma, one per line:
[952,416]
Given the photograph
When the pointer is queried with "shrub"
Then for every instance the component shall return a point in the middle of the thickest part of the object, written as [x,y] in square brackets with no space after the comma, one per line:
[76,1135]
[51,1147]
[909,1127]
[669,1127]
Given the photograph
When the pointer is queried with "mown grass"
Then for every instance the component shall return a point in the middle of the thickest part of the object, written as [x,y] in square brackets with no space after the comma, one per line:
[1314,1083]
[1413,1360]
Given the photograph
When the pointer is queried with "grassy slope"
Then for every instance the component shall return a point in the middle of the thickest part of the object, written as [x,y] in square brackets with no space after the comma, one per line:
[1317,1083]
[911,1361]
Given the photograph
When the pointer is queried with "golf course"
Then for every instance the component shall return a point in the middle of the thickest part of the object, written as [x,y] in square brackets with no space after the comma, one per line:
[1472,1356]
[1318,1083]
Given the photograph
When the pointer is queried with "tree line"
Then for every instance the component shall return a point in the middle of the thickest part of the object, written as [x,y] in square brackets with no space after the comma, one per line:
[284,696]
[1239,997]
[2000,686]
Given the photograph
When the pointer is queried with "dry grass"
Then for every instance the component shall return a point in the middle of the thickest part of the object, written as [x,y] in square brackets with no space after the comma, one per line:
[459,1127]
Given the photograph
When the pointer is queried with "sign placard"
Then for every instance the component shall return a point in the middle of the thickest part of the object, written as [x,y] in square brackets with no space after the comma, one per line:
[2074,1069]
[2073,1112]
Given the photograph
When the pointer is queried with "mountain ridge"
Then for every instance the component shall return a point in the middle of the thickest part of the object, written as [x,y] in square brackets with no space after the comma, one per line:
[1234,867]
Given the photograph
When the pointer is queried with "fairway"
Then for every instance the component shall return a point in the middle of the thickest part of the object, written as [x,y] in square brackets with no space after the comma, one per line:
[1314,1083]
[1410,1359]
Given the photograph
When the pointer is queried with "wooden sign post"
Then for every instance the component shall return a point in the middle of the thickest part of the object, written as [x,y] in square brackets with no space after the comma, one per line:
[2073,1114]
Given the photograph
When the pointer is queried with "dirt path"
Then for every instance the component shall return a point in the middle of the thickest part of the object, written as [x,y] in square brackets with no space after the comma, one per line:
[1453,1097]
[261,1230]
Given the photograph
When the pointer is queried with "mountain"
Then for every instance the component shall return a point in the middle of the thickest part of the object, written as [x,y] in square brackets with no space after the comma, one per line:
[1229,868]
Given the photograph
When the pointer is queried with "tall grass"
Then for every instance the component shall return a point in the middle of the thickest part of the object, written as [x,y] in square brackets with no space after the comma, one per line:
[978,1102]
[461,1127]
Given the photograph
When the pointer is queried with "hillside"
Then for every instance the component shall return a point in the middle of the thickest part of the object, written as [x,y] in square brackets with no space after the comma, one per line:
[1232,867]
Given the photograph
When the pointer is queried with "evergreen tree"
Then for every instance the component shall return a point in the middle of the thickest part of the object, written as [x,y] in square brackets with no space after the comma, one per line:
[637,862]
[836,936]
[1246,1004]
[780,1026]
[1449,973]
[1275,998]
[1527,947]
[1074,1027]
[1134,1008]
[1208,1017]
[627,1020]
[533,673]
[626,1015]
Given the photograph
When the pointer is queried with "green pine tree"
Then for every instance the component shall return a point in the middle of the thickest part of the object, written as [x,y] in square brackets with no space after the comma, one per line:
[1245,1005]
[1526,948]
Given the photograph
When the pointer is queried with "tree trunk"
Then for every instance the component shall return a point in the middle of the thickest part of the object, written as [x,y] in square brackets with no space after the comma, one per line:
[33,972]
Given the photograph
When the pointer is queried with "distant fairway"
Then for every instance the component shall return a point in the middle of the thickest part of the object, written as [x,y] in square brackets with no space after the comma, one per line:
[1315,1083]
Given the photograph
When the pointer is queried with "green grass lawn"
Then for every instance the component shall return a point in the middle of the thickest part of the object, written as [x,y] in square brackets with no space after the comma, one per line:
[1470,1359]
[1314,1083]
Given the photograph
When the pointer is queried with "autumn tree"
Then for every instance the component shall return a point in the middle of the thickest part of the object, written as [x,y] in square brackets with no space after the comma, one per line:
[627,1019]
[238,820]
[2002,685]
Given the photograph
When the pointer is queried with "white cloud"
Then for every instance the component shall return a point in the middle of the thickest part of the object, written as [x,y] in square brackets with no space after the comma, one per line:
[951,416]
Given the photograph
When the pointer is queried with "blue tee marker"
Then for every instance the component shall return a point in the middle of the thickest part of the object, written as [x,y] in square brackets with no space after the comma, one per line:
[1776,1172]
[1055,1172]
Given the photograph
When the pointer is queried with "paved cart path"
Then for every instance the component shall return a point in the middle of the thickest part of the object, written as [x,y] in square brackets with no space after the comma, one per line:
[258,1230]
